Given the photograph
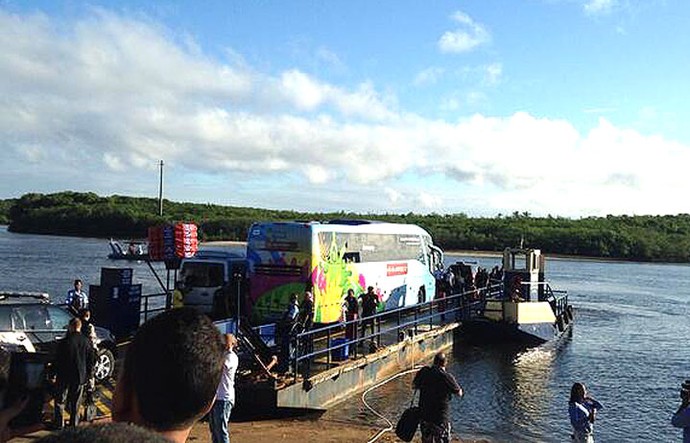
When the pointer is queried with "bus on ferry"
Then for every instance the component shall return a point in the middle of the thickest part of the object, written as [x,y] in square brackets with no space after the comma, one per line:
[397,260]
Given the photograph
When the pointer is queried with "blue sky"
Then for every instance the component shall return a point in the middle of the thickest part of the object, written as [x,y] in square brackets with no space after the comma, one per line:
[563,107]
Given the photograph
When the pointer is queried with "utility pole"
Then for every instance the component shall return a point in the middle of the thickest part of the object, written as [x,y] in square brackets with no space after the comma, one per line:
[160,191]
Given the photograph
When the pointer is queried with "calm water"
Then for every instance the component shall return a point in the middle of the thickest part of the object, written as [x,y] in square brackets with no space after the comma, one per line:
[628,346]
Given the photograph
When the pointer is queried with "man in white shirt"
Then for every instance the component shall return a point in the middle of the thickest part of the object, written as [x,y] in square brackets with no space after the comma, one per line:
[225,395]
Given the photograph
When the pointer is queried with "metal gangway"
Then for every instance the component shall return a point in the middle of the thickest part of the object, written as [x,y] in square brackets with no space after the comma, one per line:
[320,349]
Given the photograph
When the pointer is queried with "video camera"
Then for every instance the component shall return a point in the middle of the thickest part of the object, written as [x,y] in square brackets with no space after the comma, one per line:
[685,391]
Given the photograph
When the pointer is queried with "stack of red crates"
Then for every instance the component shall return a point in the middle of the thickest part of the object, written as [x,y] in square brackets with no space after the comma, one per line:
[186,243]
[167,242]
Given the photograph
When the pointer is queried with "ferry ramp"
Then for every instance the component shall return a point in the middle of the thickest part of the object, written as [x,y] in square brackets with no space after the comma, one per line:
[329,365]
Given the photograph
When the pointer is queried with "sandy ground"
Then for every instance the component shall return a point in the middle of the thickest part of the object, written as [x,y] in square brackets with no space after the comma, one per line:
[285,431]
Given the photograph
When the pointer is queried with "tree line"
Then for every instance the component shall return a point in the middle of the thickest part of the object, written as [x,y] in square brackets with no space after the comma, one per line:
[641,238]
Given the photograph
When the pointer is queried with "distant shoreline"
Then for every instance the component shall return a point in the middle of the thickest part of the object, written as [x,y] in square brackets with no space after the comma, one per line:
[460,252]
[490,254]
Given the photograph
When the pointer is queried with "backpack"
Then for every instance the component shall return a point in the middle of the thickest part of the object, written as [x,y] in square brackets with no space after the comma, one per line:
[408,422]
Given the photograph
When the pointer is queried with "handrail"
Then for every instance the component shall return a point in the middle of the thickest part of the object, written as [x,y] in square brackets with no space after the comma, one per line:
[455,305]
[146,311]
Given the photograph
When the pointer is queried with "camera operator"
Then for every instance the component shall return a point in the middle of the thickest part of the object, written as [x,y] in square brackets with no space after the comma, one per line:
[681,419]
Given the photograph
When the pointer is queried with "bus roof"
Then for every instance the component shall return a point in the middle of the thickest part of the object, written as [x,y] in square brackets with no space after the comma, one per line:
[351,226]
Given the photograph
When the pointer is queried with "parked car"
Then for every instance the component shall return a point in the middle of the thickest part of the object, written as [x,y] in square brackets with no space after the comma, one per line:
[30,323]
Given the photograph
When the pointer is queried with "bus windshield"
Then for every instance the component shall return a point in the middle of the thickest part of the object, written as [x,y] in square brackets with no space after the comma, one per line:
[202,274]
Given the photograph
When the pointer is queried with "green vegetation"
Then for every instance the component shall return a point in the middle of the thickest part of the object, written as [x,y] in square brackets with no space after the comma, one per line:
[644,238]
[5,210]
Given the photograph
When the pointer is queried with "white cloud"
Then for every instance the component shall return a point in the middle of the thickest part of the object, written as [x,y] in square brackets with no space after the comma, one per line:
[599,7]
[113,162]
[428,201]
[493,73]
[304,92]
[330,58]
[466,37]
[113,93]
[428,76]
[393,196]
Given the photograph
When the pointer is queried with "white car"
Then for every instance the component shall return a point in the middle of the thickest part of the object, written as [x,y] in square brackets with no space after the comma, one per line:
[30,323]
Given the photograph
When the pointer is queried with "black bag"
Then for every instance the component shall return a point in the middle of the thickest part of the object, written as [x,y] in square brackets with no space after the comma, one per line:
[408,422]
[90,412]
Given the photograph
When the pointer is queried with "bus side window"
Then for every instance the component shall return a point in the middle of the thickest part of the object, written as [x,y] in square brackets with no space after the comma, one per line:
[351,257]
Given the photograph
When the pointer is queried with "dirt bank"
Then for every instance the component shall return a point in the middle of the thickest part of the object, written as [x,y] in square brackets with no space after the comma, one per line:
[286,431]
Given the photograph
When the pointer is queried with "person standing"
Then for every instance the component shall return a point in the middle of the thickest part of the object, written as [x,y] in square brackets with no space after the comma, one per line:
[351,308]
[89,331]
[436,388]
[286,333]
[225,395]
[74,362]
[681,419]
[76,298]
[369,303]
[306,311]
[306,320]
[582,410]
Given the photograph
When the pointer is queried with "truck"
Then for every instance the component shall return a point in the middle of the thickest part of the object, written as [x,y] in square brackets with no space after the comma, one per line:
[213,282]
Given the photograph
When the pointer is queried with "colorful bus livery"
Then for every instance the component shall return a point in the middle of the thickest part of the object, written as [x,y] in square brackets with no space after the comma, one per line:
[329,258]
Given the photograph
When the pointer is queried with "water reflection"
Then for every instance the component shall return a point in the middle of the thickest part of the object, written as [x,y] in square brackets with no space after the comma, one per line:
[532,373]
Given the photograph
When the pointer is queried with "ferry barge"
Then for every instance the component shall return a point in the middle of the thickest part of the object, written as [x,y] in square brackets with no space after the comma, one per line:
[523,307]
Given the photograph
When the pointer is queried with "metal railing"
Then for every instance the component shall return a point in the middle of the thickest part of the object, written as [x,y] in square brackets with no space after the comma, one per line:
[392,324]
[146,310]
[558,299]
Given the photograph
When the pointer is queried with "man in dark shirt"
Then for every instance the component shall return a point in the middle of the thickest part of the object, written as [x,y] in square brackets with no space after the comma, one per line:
[306,319]
[436,387]
[351,308]
[306,311]
[73,363]
[369,303]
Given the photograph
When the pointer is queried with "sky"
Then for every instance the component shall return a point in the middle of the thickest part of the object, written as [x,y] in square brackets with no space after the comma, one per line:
[569,108]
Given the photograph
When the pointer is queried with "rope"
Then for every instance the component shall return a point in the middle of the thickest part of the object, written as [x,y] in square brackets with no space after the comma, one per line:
[390,426]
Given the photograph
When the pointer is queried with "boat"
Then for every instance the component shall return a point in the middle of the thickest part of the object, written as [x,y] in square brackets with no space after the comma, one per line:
[135,250]
[523,307]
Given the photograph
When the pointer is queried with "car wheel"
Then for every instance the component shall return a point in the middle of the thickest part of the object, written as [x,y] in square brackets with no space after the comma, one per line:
[105,365]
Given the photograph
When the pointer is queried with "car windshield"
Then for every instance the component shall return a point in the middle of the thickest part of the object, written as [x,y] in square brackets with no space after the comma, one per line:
[59,319]
[5,319]
[203,275]
[30,318]
[38,317]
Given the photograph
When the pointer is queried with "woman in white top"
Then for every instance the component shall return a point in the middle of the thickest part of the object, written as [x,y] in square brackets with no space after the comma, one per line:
[582,410]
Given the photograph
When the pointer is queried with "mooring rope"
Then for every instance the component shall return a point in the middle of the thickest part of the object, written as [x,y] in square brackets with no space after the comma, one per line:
[390,426]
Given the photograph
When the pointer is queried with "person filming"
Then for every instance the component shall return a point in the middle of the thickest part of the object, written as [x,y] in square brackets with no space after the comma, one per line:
[582,409]
[681,419]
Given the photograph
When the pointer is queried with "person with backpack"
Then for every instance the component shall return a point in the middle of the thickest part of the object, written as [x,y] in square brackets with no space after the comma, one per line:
[436,389]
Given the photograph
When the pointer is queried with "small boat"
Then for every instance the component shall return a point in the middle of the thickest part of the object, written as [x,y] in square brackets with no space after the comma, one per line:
[135,250]
[523,307]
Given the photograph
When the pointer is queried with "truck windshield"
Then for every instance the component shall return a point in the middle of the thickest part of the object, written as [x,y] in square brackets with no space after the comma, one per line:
[202,275]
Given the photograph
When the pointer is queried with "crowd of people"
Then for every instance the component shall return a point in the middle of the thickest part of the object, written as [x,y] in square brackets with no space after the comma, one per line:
[182,348]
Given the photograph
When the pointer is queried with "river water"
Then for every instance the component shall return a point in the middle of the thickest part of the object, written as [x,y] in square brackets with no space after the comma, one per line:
[628,346]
